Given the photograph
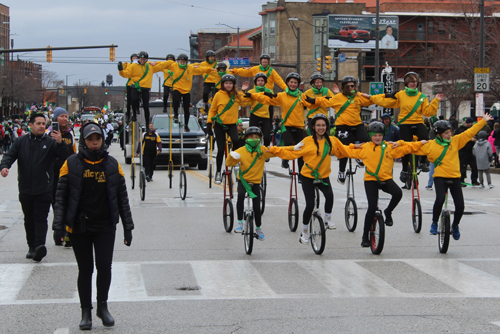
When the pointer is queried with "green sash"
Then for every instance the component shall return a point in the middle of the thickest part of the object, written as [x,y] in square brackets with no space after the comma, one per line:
[439,160]
[420,99]
[179,77]
[344,107]
[128,81]
[136,84]
[383,146]
[268,74]
[217,118]
[283,128]
[312,111]
[206,75]
[317,176]
[170,73]
[257,107]
[245,184]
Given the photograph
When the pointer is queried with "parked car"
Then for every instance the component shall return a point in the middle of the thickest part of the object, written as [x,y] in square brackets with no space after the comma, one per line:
[353,33]
[194,142]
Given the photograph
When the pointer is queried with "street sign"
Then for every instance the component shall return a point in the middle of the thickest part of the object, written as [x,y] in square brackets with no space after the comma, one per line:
[482,79]
[376,88]
[239,61]
[479,104]
[342,57]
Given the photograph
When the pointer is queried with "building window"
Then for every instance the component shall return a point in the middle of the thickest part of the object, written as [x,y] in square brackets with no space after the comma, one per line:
[317,24]
[217,43]
[441,27]
[272,28]
[430,26]
[317,50]
[272,52]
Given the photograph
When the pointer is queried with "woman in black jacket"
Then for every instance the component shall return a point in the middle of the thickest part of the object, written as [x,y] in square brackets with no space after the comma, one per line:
[91,197]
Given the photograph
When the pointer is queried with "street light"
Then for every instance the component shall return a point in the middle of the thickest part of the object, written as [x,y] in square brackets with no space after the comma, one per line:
[322,38]
[237,38]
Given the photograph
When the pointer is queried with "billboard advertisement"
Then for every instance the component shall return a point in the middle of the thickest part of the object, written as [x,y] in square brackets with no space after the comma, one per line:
[358,31]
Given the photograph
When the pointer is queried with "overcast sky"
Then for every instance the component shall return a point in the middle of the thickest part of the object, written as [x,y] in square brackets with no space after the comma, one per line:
[156,26]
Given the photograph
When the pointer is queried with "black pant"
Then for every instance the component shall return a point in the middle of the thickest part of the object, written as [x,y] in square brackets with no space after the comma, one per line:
[149,163]
[36,209]
[456,193]
[208,87]
[407,134]
[103,246]
[371,190]
[264,125]
[166,93]
[308,189]
[255,202]
[144,95]
[293,136]
[186,101]
[220,139]
[467,158]
[109,138]
[129,101]
[349,135]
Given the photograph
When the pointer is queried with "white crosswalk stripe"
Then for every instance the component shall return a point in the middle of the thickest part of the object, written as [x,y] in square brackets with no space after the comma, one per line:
[251,279]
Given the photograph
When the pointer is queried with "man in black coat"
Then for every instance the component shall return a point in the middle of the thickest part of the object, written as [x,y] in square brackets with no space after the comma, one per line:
[35,154]
[466,157]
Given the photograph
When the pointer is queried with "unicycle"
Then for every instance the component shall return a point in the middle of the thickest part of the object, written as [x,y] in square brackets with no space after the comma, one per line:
[351,208]
[293,204]
[377,230]
[416,207]
[444,225]
[132,165]
[317,234]
[170,162]
[142,174]
[211,164]
[182,174]
[228,211]
[248,228]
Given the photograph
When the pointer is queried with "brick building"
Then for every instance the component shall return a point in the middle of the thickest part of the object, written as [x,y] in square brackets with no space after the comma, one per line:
[246,45]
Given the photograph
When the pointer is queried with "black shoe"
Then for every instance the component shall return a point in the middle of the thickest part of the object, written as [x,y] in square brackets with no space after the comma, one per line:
[476,184]
[285,164]
[186,128]
[148,178]
[388,217]
[133,118]
[365,242]
[103,313]
[30,253]
[402,177]
[86,322]
[39,253]
[176,119]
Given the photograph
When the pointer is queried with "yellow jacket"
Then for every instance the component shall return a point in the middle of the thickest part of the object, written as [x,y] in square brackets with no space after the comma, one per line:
[450,164]
[317,109]
[129,81]
[370,154]
[271,80]
[309,153]
[406,103]
[254,175]
[207,78]
[185,83]
[220,101]
[351,116]
[136,72]
[168,78]
[285,101]
[263,111]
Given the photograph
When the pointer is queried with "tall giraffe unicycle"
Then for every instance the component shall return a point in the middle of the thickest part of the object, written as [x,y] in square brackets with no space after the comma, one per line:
[182,175]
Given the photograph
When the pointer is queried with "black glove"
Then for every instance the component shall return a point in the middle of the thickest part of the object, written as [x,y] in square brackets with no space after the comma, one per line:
[271,95]
[59,236]
[310,100]
[128,237]
[391,96]
[328,97]
[209,129]
[249,95]
[120,66]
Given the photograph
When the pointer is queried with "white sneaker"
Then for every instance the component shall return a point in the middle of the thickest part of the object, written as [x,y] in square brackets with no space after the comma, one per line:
[218,178]
[360,163]
[330,224]
[304,238]
[481,186]
[341,178]
[239,228]
[491,186]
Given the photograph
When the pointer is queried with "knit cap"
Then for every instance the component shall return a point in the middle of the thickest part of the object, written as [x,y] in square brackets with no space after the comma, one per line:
[58,112]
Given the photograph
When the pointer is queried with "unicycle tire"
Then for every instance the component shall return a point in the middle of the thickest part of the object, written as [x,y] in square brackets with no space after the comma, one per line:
[293,215]
[317,235]
[210,175]
[262,200]
[417,215]
[170,173]
[228,215]
[182,184]
[132,174]
[377,234]
[142,185]
[444,232]
[248,234]
[351,214]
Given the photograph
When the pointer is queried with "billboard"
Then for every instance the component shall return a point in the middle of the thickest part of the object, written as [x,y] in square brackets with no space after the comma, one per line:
[358,31]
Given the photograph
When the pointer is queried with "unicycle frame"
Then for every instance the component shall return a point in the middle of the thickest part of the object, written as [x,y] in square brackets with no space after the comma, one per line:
[170,162]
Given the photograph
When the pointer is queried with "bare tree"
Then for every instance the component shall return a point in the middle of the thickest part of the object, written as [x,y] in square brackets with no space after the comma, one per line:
[50,84]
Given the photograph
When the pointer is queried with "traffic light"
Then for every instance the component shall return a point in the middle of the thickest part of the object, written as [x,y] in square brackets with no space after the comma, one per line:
[85,91]
[62,90]
[112,53]
[106,91]
[49,55]
[319,64]
[328,61]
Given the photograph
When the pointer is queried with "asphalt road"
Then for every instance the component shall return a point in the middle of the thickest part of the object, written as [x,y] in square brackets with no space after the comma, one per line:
[185,274]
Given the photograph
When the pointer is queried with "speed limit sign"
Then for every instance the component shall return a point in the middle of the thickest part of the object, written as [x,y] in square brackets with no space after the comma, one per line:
[482,79]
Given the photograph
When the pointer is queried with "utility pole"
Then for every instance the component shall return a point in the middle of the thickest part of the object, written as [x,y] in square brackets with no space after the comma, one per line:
[481,34]
[377,37]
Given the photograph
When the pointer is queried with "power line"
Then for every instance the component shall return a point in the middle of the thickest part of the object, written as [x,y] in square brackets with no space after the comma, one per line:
[205,8]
